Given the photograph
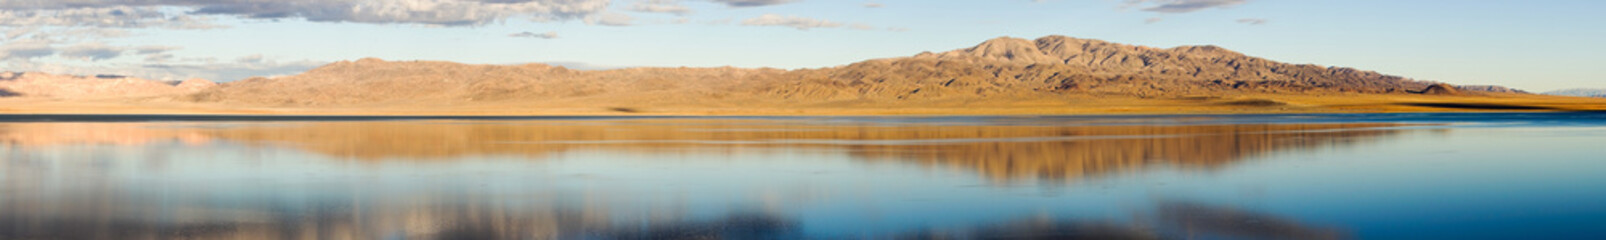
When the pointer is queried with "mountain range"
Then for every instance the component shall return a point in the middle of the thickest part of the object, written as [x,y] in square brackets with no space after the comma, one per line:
[1052,74]
[1003,67]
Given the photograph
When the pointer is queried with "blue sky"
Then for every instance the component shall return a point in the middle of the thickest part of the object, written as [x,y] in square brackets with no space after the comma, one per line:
[1533,45]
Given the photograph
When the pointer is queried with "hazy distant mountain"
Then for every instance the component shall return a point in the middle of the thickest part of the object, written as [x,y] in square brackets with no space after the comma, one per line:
[999,69]
[1579,92]
[44,85]
[1490,88]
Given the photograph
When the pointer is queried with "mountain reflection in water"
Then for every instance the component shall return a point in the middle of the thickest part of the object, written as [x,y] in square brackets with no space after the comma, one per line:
[295,180]
[1001,153]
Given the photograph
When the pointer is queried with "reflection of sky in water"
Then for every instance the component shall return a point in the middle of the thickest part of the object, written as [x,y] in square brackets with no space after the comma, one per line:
[1313,181]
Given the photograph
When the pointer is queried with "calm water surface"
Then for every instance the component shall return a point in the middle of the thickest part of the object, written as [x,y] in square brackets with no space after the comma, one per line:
[1349,176]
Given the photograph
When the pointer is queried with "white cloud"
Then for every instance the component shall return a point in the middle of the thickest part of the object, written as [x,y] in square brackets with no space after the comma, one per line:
[660,6]
[873,5]
[801,23]
[104,17]
[611,19]
[430,12]
[1253,21]
[112,16]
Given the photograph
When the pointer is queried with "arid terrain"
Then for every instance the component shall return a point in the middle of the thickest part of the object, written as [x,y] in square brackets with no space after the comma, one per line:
[1049,75]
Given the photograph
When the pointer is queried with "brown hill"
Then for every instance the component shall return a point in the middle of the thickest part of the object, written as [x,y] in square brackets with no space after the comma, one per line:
[43,85]
[1004,69]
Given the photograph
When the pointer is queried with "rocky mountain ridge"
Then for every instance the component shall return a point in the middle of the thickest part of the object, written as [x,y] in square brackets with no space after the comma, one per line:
[1051,67]
[1047,69]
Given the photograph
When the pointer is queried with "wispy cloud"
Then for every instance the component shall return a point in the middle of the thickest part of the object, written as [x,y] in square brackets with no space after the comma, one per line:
[873,5]
[611,19]
[660,6]
[26,49]
[182,69]
[429,12]
[1152,20]
[143,50]
[546,35]
[47,45]
[92,52]
[158,58]
[1182,6]
[111,16]
[1253,21]
[752,3]
[801,23]
[253,58]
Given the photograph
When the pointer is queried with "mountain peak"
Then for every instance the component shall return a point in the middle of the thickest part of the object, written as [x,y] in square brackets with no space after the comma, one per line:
[1005,49]
[1059,49]
[1062,40]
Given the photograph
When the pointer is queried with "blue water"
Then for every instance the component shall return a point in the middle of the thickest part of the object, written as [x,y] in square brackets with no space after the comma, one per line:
[1327,176]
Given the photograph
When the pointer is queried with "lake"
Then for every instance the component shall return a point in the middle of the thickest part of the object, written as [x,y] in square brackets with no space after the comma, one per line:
[1322,176]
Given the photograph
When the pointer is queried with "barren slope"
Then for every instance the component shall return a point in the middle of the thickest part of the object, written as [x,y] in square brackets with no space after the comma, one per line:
[1049,75]
[1005,68]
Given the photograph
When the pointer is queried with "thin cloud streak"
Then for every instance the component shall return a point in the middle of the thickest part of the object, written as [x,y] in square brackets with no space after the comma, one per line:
[660,6]
[427,12]
[1182,6]
[800,23]
[752,3]
[546,35]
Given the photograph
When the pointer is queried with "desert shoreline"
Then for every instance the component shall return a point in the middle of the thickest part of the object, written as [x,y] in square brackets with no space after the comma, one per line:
[1288,104]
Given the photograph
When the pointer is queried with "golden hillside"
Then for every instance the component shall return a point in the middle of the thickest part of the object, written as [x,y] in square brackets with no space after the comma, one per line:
[1049,75]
